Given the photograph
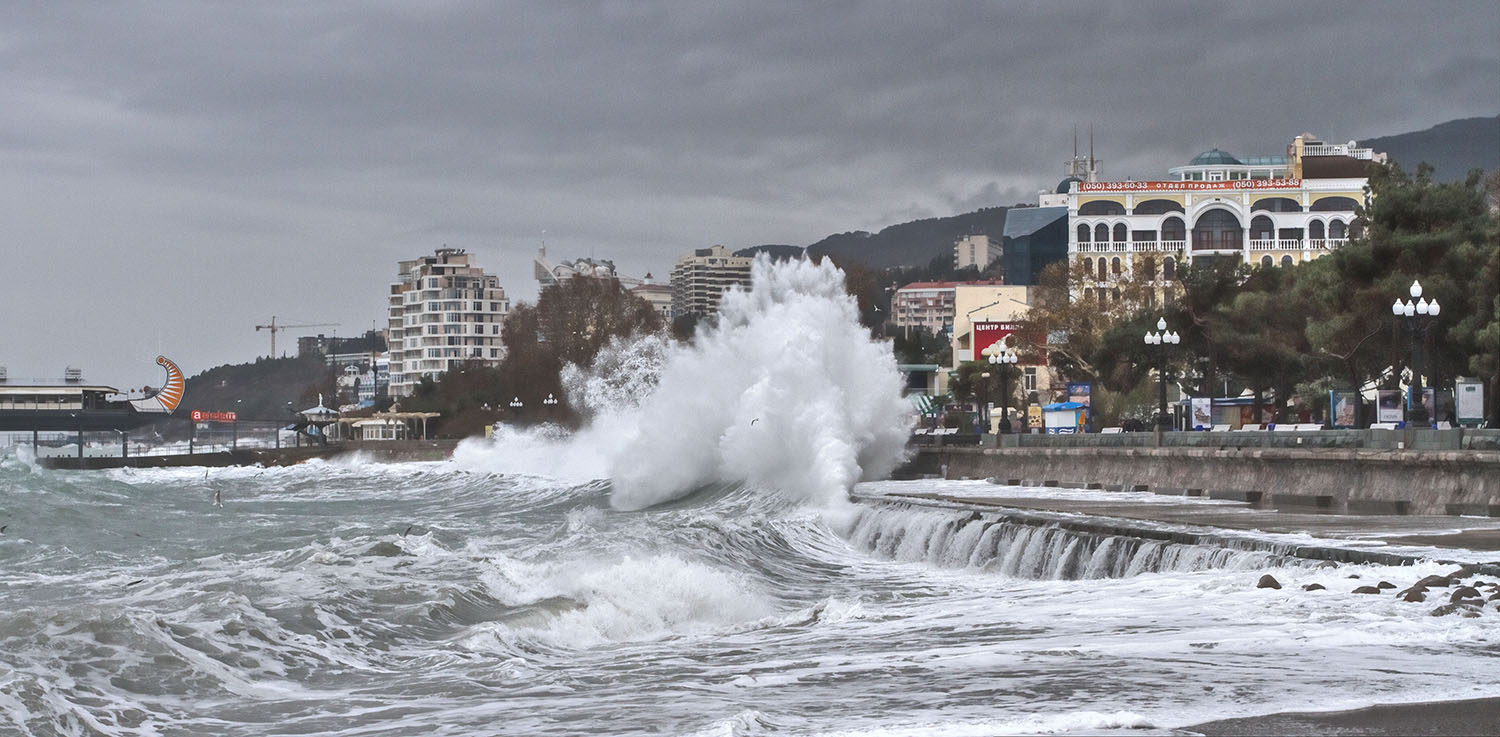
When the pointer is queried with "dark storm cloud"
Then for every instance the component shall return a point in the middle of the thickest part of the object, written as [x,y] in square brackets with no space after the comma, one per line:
[278,158]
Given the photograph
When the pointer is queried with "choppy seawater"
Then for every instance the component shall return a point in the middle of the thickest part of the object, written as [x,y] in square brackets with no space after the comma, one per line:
[362,599]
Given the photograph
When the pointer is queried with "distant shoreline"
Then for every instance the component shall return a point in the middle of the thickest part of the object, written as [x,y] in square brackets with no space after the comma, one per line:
[1463,717]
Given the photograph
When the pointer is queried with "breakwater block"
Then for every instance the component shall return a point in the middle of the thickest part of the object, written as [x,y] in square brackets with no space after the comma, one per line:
[1303,502]
[1249,497]
[1473,510]
[1378,506]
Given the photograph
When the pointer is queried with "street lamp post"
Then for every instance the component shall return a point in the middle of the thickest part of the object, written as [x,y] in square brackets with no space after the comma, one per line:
[1162,338]
[1420,317]
[1001,357]
[515,405]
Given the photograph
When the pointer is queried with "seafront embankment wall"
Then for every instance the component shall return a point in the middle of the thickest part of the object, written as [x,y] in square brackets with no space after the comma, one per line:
[386,451]
[1339,480]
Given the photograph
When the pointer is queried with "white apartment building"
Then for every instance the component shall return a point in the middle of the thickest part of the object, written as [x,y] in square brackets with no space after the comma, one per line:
[974,250]
[1264,211]
[443,311]
[700,278]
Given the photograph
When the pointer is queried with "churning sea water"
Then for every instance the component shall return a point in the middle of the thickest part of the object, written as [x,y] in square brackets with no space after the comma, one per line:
[688,564]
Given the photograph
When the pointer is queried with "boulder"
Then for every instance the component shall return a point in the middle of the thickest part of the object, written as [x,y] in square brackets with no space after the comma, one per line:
[1464,592]
[1461,572]
[1385,585]
[1415,595]
[1268,582]
[1431,581]
[1462,609]
[1314,587]
[1366,590]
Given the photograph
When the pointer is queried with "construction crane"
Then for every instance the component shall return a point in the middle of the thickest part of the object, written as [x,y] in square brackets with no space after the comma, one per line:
[274,328]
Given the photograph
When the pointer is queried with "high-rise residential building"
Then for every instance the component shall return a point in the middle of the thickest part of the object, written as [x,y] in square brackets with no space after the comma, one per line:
[700,278]
[974,250]
[444,311]
[1260,210]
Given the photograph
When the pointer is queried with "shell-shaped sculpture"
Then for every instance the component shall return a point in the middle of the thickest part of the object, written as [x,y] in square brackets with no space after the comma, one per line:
[166,400]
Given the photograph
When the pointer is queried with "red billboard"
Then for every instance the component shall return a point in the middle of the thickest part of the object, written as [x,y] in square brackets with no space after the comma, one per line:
[205,416]
[987,334]
[1189,186]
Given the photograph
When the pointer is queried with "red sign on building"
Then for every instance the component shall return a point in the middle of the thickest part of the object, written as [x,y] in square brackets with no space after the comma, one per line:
[202,416]
[987,334]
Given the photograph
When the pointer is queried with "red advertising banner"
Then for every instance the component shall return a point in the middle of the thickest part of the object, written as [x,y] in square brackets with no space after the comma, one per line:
[987,334]
[1233,185]
[202,416]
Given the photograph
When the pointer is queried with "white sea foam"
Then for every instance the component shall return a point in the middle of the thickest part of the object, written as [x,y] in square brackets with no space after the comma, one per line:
[634,599]
[1075,722]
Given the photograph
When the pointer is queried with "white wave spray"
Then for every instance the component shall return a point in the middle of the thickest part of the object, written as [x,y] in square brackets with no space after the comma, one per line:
[787,392]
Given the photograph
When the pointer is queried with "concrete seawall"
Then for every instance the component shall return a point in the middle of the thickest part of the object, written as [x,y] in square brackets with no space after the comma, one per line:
[396,451]
[1344,481]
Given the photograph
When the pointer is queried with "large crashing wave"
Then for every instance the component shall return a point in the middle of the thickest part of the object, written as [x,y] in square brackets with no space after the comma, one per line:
[787,391]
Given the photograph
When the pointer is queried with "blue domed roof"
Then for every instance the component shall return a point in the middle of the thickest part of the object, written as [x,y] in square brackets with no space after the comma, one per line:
[1066,185]
[1213,156]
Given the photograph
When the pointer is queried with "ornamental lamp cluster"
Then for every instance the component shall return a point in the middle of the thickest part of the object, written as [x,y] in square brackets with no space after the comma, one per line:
[1162,336]
[998,354]
[1420,307]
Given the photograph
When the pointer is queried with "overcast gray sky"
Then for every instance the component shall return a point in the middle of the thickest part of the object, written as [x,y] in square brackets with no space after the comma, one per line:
[174,173]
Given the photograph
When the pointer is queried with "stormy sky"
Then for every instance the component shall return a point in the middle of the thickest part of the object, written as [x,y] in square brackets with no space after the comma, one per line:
[174,173]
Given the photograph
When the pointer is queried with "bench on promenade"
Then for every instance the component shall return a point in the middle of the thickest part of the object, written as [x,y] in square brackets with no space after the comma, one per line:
[1111,430]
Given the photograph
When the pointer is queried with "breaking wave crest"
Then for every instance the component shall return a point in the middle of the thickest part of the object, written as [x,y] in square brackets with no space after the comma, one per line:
[961,539]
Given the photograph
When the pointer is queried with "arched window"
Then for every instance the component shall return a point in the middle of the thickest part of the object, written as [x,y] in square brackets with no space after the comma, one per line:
[1149,267]
[1336,229]
[1156,207]
[1120,232]
[1116,294]
[1101,233]
[1168,269]
[1286,262]
[1173,229]
[1277,204]
[1101,294]
[1357,228]
[1102,265]
[1265,263]
[1261,228]
[1101,207]
[1083,233]
[1088,267]
[1334,204]
[1217,228]
[1088,293]
[1150,297]
[1315,230]
[1114,266]
[1169,295]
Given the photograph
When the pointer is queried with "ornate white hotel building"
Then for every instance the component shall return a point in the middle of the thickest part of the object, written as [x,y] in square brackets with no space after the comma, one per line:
[1266,210]
[443,311]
